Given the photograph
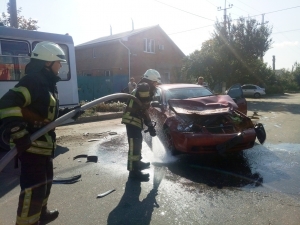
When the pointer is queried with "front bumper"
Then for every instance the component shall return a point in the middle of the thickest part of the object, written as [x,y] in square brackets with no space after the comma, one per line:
[207,143]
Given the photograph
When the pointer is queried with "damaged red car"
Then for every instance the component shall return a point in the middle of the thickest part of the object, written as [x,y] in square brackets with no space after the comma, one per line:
[193,120]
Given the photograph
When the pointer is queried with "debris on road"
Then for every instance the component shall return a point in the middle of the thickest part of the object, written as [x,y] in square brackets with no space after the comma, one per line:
[105,193]
[89,158]
[66,180]
[94,140]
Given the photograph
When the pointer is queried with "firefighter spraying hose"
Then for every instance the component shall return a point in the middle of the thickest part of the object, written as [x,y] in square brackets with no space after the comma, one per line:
[13,152]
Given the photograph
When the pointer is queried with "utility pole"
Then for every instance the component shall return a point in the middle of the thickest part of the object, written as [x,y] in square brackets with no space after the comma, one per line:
[225,27]
[262,24]
[13,13]
[225,13]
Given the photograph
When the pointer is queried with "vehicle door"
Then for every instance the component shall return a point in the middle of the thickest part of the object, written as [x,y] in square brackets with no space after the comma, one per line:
[247,90]
[157,109]
[236,93]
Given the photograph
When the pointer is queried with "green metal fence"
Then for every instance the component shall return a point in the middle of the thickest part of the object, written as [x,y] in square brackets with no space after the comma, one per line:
[90,88]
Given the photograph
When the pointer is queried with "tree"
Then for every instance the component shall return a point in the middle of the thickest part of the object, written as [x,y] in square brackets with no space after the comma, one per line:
[232,55]
[23,23]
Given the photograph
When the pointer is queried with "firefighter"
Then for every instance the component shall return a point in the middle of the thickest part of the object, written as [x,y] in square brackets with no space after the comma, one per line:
[134,117]
[24,109]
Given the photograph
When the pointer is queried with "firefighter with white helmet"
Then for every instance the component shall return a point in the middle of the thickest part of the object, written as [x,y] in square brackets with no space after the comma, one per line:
[134,117]
[24,109]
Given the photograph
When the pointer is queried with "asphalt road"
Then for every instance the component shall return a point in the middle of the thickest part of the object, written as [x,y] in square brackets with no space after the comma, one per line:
[260,186]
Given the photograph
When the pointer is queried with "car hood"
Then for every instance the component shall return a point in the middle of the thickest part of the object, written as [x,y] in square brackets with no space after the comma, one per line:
[216,104]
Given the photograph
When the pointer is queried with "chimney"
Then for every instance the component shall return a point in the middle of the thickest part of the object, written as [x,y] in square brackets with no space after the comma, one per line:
[132,24]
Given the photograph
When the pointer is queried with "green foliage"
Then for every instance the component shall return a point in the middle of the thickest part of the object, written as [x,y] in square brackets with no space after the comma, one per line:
[232,55]
[289,81]
[104,107]
[23,23]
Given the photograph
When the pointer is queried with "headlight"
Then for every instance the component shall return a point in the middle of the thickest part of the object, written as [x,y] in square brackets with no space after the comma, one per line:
[185,127]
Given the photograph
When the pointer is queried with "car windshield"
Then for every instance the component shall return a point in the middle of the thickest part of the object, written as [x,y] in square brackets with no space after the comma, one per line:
[184,93]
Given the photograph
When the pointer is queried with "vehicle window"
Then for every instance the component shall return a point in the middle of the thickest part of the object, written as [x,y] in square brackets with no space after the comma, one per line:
[235,92]
[64,72]
[157,96]
[14,55]
[184,93]
[252,87]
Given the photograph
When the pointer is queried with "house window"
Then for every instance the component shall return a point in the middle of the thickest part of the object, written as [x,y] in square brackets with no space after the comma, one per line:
[161,47]
[107,72]
[149,45]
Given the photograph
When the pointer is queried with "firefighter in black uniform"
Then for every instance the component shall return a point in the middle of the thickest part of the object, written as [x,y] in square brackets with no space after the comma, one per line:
[134,117]
[24,109]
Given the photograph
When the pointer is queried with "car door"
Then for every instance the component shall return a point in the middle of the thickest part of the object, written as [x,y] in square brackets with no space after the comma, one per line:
[236,93]
[157,109]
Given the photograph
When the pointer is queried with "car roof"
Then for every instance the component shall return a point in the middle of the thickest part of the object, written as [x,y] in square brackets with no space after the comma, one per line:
[172,86]
[250,84]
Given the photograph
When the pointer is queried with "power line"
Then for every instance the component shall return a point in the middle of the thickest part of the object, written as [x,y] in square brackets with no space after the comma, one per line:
[184,11]
[285,31]
[277,11]
[191,29]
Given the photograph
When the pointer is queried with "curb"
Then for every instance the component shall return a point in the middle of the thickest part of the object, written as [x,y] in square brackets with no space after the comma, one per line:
[99,117]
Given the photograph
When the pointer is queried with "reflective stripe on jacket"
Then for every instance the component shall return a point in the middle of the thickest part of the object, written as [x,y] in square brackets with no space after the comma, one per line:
[34,100]
[135,114]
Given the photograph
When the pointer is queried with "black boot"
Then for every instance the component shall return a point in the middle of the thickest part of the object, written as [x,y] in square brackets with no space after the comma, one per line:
[138,175]
[142,165]
[47,215]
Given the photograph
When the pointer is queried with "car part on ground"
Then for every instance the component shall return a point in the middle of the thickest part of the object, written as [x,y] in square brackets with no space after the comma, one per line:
[66,180]
[105,193]
[89,158]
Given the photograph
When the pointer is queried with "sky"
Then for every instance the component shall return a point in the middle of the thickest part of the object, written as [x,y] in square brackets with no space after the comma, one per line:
[188,23]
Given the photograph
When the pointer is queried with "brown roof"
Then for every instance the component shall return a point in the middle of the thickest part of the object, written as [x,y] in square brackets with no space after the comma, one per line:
[115,36]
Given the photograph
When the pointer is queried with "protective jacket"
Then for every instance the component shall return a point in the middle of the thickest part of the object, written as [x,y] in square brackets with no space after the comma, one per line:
[33,102]
[135,114]
[134,117]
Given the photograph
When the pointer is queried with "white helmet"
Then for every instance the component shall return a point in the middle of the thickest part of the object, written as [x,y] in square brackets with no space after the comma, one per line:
[48,51]
[152,75]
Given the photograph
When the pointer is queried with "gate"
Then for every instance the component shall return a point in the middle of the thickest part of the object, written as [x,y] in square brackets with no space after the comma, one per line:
[90,87]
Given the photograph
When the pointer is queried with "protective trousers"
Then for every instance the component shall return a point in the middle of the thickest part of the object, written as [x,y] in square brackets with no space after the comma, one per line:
[135,139]
[35,181]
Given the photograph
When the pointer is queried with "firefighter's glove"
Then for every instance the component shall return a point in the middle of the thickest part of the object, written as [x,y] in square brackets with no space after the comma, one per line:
[21,138]
[152,131]
[79,113]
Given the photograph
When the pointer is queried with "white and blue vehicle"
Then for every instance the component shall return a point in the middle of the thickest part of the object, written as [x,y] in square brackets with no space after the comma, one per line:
[16,46]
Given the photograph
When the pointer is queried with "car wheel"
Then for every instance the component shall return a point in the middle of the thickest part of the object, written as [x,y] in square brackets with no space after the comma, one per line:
[256,95]
[169,143]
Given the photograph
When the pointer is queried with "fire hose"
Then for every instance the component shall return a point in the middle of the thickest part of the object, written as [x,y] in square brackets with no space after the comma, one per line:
[59,121]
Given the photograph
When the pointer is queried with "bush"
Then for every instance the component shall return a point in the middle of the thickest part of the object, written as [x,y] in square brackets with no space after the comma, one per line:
[104,107]
[274,89]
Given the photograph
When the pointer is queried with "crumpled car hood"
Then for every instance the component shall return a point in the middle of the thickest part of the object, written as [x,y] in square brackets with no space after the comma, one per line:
[203,105]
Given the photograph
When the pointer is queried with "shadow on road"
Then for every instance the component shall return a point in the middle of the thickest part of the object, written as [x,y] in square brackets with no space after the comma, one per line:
[278,103]
[216,171]
[130,209]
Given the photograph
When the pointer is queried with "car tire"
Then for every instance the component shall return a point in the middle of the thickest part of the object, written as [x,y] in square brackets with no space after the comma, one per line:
[169,143]
[256,95]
